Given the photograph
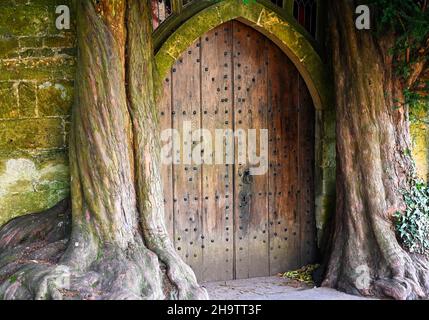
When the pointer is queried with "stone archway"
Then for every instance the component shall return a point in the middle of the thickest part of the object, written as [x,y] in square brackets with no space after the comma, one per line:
[301,50]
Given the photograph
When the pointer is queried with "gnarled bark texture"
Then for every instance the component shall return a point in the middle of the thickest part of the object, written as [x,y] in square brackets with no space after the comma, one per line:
[373,166]
[109,241]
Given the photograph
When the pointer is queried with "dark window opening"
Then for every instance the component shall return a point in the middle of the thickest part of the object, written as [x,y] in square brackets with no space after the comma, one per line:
[278,3]
[161,10]
[305,12]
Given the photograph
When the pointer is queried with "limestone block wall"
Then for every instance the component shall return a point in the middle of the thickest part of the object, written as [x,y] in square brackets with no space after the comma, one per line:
[36,94]
[420,141]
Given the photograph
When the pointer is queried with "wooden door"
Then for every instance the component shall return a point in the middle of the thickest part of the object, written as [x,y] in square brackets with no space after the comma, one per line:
[226,221]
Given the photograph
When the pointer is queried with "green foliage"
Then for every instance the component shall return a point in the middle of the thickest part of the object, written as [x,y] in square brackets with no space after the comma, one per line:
[419,106]
[412,226]
[409,19]
[305,274]
[13,278]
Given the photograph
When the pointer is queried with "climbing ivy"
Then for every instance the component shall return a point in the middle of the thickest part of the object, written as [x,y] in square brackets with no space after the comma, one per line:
[409,19]
[412,226]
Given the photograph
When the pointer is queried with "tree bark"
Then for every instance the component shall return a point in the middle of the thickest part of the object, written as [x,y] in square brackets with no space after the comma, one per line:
[373,166]
[118,247]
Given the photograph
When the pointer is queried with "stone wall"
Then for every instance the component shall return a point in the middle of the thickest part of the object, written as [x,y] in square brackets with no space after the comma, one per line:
[36,92]
[420,140]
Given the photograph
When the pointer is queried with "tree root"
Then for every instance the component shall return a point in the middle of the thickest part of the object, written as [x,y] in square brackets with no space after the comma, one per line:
[411,284]
[39,261]
[399,275]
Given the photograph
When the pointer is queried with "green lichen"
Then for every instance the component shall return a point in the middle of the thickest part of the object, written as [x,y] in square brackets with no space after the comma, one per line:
[27,99]
[55,98]
[9,100]
[37,68]
[44,68]
[8,47]
[420,154]
[32,184]
[13,278]
[40,133]
[30,18]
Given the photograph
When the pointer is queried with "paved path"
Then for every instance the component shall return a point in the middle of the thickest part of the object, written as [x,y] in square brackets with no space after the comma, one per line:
[270,288]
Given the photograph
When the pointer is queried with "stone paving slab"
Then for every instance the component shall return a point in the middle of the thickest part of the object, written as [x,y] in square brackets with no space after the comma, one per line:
[270,288]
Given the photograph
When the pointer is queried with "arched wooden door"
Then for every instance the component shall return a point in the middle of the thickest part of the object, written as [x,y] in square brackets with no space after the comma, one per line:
[225,222]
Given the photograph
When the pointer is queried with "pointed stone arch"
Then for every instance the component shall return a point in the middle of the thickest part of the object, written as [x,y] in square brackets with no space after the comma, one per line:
[296,43]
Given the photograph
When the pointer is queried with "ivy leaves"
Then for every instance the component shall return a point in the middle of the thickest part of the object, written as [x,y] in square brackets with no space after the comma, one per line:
[412,226]
[409,19]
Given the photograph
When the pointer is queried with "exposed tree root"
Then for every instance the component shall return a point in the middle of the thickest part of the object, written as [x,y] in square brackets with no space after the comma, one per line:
[411,282]
[400,276]
[35,264]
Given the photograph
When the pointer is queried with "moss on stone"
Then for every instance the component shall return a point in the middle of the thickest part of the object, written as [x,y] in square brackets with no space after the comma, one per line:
[33,159]
[27,99]
[56,67]
[67,128]
[31,18]
[32,182]
[34,116]
[9,100]
[31,134]
[17,204]
[25,19]
[419,136]
[37,53]
[30,42]
[8,47]
[66,41]
[55,98]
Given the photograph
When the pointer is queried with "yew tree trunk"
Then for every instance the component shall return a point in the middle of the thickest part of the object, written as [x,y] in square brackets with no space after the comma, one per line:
[373,166]
[116,245]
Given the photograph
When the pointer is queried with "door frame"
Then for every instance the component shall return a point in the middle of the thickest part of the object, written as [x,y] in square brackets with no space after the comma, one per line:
[294,42]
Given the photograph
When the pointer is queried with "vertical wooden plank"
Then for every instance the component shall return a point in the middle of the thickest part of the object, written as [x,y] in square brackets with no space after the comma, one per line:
[187,176]
[217,113]
[167,170]
[250,100]
[291,157]
[306,175]
[280,177]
